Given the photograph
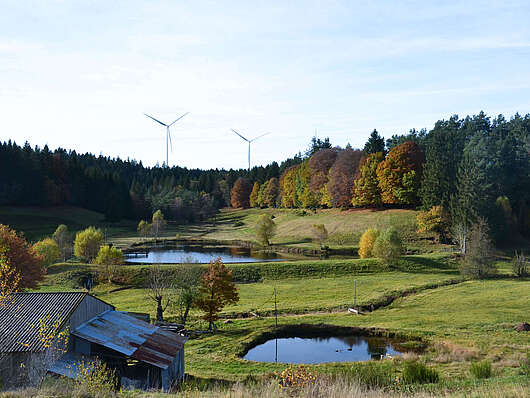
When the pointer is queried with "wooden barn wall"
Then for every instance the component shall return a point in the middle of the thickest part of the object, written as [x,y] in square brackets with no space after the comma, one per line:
[88,309]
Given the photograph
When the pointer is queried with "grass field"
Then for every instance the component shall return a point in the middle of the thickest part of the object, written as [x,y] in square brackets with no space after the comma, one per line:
[423,295]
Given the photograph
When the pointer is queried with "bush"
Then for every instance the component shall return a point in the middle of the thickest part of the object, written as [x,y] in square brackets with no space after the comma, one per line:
[95,379]
[481,370]
[418,373]
[366,244]
[388,245]
[520,265]
[320,233]
[434,221]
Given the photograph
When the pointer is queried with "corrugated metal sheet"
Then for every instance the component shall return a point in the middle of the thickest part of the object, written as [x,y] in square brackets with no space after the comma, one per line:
[20,318]
[132,337]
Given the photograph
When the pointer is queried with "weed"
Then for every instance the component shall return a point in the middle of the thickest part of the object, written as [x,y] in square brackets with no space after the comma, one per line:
[481,370]
[418,373]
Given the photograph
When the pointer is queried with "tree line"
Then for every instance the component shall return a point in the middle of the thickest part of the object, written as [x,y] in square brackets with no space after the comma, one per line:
[471,168]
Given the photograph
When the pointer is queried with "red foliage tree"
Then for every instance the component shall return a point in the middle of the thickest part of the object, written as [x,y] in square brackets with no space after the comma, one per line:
[240,194]
[21,256]
[399,175]
[217,290]
[341,176]
[319,165]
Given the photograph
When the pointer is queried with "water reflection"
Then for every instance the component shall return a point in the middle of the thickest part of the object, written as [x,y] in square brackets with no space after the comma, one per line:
[199,254]
[322,349]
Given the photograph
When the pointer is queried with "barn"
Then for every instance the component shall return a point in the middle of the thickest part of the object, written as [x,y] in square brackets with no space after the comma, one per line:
[143,355]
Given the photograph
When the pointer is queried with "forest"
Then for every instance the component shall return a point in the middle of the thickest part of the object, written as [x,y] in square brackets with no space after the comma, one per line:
[472,167]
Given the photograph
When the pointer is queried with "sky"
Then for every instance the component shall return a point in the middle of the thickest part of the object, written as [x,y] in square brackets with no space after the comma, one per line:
[80,74]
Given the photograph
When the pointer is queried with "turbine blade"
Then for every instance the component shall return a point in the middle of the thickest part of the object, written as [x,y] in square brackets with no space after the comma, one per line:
[163,124]
[263,135]
[240,135]
[178,119]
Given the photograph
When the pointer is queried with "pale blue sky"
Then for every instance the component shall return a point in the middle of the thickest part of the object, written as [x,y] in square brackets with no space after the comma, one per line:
[80,74]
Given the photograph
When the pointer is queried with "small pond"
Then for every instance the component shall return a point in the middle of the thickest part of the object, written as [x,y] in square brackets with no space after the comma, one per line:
[199,254]
[323,349]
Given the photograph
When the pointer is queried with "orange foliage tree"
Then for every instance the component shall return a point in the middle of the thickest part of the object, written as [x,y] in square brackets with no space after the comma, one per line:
[240,194]
[399,175]
[22,257]
[217,290]
[366,191]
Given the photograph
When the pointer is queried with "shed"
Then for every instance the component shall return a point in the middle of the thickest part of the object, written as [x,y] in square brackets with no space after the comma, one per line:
[143,355]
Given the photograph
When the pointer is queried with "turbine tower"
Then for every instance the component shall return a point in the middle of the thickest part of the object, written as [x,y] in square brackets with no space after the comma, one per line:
[168,133]
[249,142]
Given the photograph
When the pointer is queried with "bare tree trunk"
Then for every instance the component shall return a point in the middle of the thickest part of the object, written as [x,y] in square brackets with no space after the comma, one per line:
[159,310]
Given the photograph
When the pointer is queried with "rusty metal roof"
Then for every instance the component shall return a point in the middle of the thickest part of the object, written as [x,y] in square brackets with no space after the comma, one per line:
[21,315]
[132,337]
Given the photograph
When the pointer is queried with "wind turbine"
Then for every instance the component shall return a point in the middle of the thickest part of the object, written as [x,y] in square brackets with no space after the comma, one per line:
[168,134]
[249,142]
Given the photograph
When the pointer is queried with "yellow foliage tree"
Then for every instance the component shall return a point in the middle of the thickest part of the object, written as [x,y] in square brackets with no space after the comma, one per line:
[366,244]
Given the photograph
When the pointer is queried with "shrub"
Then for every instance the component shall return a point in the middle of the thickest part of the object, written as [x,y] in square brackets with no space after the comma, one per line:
[49,250]
[418,373]
[367,241]
[388,245]
[481,370]
[520,265]
[293,380]
[95,378]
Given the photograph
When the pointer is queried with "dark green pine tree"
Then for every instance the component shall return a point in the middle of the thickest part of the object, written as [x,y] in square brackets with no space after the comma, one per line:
[445,146]
[375,144]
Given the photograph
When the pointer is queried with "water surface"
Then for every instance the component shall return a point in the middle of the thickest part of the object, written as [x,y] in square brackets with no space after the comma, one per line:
[199,254]
[322,349]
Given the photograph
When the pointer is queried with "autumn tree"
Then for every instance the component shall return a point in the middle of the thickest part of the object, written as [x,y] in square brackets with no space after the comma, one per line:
[253,198]
[144,228]
[341,176]
[87,243]
[319,165]
[22,257]
[366,244]
[48,249]
[240,193]
[435,220]
[63,238]
[366,191]
[375,144]
[288,187]
[9,279]
[399,175]
[271,193]
[158,223]
[108,259]
[265,229]
[217,290]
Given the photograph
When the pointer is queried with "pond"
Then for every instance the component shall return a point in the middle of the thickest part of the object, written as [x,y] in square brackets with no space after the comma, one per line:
[298,350]
[199,254]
